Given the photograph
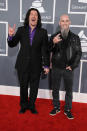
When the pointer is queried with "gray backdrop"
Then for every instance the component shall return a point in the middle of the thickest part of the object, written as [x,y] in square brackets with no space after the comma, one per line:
[13,12]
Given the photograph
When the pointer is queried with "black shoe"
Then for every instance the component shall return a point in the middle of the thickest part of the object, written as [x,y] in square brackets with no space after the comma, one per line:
[22,110]
[55,111]
[34,111]
[69,114]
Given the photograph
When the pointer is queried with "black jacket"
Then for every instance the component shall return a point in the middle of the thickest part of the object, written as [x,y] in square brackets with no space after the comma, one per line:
[30,57]
[73,50]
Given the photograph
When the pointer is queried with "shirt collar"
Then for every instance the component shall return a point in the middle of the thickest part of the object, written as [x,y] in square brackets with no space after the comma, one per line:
[33,29]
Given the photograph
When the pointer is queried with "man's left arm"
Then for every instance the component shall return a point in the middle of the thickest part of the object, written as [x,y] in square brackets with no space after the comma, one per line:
[78,53]
[45,52]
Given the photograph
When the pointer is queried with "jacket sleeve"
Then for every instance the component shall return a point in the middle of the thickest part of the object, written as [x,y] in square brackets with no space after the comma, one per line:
[14,40]
[51,45]
[45,52]
[78,53]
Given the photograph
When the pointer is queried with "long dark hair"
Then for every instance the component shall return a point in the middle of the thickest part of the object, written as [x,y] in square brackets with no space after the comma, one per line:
[26,21]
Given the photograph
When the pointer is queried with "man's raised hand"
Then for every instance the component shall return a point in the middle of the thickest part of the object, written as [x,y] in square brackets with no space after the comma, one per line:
[11,30]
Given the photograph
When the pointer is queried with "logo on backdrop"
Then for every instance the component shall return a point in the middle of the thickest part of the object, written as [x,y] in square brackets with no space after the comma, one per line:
[79,6]
[45,7]
[83,39]
[82,1]
[38,5]
[3,5]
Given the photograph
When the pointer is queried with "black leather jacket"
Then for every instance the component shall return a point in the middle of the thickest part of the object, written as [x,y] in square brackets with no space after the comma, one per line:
[73,50]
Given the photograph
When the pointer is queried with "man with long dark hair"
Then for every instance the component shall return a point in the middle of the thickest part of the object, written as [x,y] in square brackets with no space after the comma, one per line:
[33,52]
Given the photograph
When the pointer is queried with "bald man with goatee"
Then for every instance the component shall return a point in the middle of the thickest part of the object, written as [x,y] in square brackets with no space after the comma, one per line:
[66,53]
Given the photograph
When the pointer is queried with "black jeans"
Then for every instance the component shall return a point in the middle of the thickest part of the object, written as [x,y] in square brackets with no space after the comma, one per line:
[67,76]
[26,80]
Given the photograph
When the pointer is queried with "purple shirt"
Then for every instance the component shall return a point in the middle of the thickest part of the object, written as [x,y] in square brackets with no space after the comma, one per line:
[31,34]
[10,38]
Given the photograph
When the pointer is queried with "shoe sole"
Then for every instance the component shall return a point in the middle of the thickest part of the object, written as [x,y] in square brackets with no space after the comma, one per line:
[55,114]
[65,113]
[68,117]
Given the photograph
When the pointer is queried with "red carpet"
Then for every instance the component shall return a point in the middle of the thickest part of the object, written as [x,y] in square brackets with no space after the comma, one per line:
[11,120]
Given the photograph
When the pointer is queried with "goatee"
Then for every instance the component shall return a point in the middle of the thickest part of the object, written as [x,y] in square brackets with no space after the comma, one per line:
[64,33]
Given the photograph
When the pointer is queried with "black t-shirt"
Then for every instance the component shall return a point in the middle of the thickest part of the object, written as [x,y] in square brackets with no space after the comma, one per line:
[62,62]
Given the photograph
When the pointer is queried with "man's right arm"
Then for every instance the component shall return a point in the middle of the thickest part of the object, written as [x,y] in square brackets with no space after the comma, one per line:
[14,39]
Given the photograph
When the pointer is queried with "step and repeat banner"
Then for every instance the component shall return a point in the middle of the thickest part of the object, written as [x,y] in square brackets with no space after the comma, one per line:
[13,12]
